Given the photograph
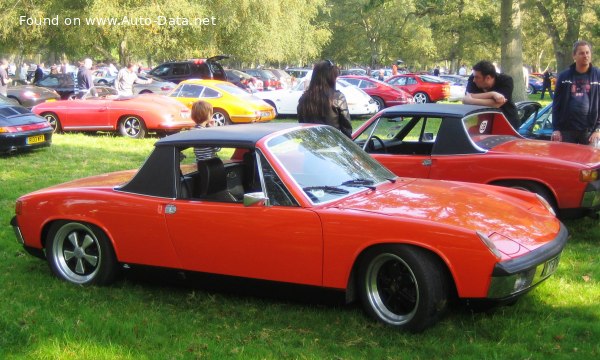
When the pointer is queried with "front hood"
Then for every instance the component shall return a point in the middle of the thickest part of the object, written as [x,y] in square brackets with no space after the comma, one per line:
[471,207]
[585,155]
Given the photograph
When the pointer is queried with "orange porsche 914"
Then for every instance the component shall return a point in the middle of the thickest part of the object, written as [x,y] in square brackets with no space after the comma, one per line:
[298,204]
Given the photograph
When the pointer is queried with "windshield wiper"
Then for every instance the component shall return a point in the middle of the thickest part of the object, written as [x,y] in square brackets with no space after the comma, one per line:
[368,183]
[327,189]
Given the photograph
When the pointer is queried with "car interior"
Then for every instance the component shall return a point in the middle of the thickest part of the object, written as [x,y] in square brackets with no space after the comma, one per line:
[400,135]
[228,181]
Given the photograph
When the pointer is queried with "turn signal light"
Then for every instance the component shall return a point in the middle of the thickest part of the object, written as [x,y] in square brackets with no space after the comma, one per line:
[588,175]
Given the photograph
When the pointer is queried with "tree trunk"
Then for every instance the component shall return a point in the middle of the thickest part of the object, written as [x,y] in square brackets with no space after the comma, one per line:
[512,48]
[573,12]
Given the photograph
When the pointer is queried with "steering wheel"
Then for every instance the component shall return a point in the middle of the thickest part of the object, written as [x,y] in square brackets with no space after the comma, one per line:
[371,144]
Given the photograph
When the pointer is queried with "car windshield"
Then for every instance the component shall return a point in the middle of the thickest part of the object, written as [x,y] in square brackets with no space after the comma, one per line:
[325,164]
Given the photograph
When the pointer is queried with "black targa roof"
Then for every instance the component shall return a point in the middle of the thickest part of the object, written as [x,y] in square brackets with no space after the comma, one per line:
[453,110]
[243,135]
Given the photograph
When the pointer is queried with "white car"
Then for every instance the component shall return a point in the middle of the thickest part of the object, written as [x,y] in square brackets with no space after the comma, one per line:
[458,86]
[285,101]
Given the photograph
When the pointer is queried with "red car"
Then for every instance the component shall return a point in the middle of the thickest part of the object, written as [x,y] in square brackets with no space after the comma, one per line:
[299,204]
[477,144]
[101,109]
[383,94]
[424,88]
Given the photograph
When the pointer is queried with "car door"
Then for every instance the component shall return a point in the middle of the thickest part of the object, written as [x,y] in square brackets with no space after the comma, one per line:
[279,243]
[91,112]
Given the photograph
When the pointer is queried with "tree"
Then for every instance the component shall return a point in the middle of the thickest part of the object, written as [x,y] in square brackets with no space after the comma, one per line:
[511,46]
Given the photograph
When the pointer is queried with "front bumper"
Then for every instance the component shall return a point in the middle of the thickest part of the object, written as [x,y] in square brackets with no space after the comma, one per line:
[39,253]
[515,277]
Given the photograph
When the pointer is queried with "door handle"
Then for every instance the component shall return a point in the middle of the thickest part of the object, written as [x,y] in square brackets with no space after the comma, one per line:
[170,209]
[427,162]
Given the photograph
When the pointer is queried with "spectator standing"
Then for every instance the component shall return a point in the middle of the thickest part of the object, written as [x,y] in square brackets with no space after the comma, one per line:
[547,84]
[126,78]
[486,87]
[575,109]
[39,73]
[463,70]
[381,76]
[394,69]
[4,79]
[112,69]
[322,103]
[436,71]
[85,79]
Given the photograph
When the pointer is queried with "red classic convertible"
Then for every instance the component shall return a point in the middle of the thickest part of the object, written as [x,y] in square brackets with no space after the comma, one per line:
[101,109]
[477,144]
[298,204]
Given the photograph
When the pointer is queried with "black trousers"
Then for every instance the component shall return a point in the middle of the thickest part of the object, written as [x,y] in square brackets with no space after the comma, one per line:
[549,92]
[576,136]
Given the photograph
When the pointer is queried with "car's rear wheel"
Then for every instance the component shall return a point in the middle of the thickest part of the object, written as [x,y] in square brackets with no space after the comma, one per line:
[132,126]
[402,286]
[379,101]
[80,253]
[221,117]
[52,118]
[421,98]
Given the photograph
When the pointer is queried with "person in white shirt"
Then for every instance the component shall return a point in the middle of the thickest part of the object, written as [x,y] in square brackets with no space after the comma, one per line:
[126,78]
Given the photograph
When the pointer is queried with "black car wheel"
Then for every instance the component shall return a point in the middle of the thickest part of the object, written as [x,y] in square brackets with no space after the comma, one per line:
[421,98]
[402,286]
[80,253]
[221,118]
[52,118]
[133,127]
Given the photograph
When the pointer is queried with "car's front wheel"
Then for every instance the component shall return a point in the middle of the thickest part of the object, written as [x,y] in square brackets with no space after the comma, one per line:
[80,253]
[402,286]
[421,98]
[132,126]
[52,118]
[530,90]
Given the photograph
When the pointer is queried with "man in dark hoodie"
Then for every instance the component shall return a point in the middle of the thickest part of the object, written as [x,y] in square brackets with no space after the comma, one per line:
[575,110]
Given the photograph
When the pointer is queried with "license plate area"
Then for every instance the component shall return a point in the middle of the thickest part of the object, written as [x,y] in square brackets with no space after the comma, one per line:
[550,267]
[35,139]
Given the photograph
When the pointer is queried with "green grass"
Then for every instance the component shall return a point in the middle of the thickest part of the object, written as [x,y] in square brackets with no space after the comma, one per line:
[42,317]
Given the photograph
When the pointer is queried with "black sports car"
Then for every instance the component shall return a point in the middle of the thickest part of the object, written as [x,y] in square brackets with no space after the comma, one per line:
[20,129]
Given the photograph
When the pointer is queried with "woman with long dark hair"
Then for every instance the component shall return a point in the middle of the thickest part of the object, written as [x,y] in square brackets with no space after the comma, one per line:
[322,103]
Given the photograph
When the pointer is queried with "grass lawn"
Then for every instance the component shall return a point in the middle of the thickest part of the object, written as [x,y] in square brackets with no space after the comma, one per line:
[147,317]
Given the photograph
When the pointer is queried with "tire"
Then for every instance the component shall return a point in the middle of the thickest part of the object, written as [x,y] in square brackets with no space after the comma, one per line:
[379,101]
[530,90]
[52,118]
[80,253]
[421,98]
[132,126]
[221,117]
[533,187]
[402,286]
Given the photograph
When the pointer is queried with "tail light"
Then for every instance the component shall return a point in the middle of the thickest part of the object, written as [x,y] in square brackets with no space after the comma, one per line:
[165,88]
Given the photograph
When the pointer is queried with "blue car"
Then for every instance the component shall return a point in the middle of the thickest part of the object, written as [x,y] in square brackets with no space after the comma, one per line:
[536,121]
[535,85]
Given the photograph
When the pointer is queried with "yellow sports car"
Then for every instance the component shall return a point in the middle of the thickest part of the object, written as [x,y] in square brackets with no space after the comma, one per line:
[231,104]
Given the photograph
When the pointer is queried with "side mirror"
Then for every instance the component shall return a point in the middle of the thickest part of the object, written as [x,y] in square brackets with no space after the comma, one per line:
[427,137]
[255,199]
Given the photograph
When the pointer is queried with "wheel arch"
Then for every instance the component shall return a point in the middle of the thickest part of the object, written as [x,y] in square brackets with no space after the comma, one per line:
[351,286]
[14,98]
[272,103]
[122,118]
[84,220]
